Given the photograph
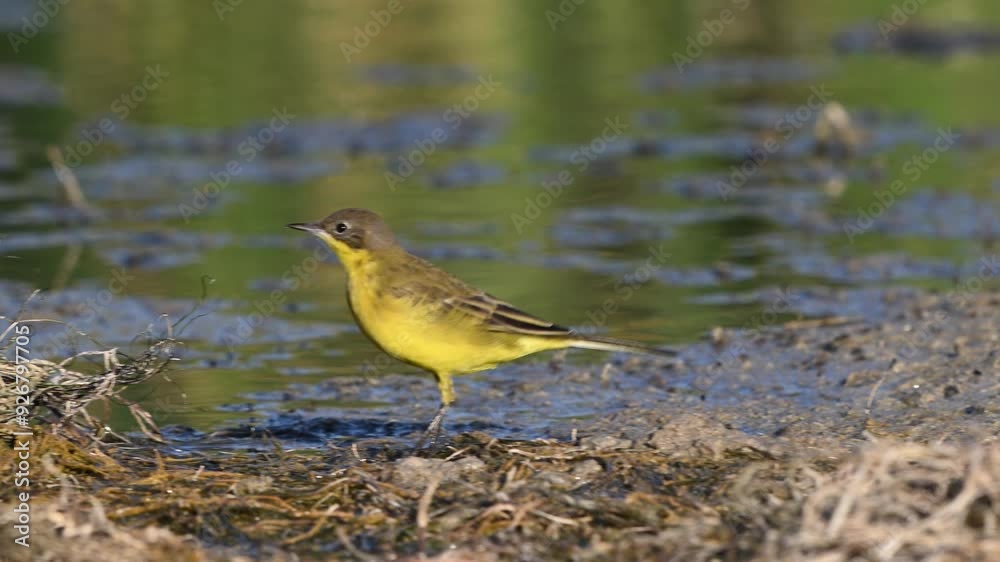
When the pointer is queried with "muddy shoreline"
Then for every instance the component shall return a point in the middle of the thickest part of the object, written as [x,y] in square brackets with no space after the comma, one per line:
[746,455]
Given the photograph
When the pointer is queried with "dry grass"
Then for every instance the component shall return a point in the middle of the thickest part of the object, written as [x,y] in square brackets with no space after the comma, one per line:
[904,502]
[60,392]
[521,500]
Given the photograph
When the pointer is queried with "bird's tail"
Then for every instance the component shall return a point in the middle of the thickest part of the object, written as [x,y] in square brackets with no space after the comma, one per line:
[611,344]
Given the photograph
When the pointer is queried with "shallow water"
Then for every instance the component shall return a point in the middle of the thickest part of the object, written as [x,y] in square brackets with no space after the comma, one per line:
[196,182]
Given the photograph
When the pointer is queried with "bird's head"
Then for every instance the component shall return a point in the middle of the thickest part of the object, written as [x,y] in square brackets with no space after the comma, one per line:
[351,233]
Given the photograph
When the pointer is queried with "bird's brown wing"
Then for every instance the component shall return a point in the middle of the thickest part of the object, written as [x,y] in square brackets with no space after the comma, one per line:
[499,316]
[427,284]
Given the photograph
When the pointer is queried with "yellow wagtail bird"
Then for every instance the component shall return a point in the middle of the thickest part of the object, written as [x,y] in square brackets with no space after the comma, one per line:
[426,317]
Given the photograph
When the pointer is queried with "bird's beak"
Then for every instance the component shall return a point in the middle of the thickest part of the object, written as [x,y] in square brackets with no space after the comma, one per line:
[309,227]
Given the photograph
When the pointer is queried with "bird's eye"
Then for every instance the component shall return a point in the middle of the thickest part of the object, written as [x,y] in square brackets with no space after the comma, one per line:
[341,227]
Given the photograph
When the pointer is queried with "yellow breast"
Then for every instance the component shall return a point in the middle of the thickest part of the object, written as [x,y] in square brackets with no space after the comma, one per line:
[424,333]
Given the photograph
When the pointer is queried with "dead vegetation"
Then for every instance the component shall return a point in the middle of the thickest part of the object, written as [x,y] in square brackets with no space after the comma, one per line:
[61,391]
[516,500]
[904,502]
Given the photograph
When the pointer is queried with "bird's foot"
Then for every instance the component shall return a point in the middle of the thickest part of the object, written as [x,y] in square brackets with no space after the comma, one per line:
[433,431]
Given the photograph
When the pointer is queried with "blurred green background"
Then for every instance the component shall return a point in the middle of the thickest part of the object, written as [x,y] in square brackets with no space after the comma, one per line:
[556,88]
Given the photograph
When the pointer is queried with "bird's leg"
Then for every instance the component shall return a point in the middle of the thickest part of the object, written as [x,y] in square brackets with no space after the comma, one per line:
[447,397]
[433,431]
